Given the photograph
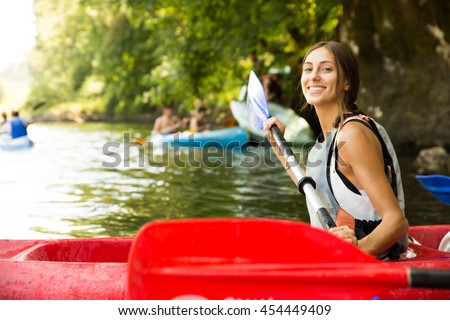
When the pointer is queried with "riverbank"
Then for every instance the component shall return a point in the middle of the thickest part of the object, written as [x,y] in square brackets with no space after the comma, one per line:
[75,112]
[92,117]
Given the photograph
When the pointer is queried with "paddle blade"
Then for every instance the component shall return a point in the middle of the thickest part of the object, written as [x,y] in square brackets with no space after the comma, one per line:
[257,102]
[437,185]
[138,141]
[222,258]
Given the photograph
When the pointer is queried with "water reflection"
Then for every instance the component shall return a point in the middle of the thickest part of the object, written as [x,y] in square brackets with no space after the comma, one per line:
[125,199]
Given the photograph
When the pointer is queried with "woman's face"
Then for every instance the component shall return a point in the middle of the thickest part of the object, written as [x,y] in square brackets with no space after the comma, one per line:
[320,77]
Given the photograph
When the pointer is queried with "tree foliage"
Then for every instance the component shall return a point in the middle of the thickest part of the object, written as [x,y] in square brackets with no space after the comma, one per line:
[127,56]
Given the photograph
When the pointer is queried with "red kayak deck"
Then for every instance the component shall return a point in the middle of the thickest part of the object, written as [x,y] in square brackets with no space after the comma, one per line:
[428,257]
[64,269]
[97,268]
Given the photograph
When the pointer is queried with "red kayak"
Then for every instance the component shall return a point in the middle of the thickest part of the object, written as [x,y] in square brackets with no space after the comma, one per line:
[216,259]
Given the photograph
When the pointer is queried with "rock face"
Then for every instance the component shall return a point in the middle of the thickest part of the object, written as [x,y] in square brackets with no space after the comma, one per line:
[433,160]
[403,48]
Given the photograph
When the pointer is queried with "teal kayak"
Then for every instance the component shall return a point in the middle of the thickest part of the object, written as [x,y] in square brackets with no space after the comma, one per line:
[298,131]
[235,137]
[16,144]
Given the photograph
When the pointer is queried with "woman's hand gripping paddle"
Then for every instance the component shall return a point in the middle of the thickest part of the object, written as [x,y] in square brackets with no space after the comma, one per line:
[259,112]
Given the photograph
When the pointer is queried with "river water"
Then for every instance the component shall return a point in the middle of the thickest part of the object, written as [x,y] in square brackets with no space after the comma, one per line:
[76,182]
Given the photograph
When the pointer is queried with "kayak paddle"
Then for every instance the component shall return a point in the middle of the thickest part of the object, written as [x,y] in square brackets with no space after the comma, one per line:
[38,105]
[259,112]
[438,185]
[138,141]
[244,258]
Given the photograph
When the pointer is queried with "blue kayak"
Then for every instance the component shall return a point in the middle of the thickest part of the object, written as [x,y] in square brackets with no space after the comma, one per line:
[235,137]
[16,144]
[437,185]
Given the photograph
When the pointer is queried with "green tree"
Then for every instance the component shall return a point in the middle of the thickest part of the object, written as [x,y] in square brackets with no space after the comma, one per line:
[130,55]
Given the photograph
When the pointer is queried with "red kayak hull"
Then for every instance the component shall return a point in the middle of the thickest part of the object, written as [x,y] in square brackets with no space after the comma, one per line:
[98,269]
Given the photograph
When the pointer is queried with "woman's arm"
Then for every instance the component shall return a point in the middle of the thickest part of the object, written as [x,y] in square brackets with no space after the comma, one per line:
[361,161]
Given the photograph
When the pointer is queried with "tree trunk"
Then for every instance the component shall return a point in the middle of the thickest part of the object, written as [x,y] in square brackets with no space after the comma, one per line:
[404,55]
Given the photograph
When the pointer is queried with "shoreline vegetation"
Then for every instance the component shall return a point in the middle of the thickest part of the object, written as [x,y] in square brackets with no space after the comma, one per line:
[79,113]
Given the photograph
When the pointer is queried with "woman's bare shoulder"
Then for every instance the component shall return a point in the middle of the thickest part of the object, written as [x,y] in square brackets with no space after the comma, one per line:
[356,132]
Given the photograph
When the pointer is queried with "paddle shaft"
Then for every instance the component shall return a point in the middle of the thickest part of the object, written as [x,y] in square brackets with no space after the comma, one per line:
[427,278]
[306,185]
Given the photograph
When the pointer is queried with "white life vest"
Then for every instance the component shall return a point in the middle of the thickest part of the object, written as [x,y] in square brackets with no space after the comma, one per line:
[335,192]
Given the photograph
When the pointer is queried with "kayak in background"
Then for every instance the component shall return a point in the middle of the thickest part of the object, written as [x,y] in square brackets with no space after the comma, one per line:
[298,131]
[437,185]
[235,137]
[16,144]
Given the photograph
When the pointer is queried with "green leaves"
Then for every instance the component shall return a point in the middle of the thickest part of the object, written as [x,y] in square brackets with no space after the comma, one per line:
[149,53]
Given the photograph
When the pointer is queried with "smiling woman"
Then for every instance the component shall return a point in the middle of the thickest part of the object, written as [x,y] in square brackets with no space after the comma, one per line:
[353,161]
[17,31]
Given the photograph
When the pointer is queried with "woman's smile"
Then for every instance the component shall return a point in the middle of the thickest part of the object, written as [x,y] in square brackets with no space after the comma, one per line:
[315,89]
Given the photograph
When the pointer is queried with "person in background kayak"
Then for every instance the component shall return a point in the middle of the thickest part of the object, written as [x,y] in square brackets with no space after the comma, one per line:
[347,162]
[4,118]
[16,127]
[272,87]
[167,123]
[5,127]
[198,121]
